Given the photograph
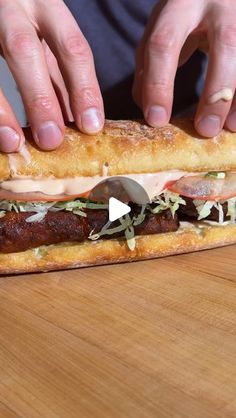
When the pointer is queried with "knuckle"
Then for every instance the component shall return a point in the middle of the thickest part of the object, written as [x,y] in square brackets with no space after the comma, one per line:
[227,35]
[160,91]
[162,41]
[158,85]
[20,44]
[86,96]
[41,103]
[75,47]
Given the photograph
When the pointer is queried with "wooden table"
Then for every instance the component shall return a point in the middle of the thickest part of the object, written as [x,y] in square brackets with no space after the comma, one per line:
[148,339]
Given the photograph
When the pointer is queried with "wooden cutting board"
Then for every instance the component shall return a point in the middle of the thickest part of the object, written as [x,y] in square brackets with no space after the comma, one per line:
[142,340]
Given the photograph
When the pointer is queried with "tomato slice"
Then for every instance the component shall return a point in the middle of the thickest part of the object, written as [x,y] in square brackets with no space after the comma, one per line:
[204,187]
[38,197]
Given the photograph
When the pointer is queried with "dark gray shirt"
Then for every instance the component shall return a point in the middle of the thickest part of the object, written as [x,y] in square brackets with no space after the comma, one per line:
[113,29]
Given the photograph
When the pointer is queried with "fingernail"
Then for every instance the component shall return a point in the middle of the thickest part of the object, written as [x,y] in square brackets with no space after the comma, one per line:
[49,136]
[91,120]
[231,121]
[209,126]
[9,139]
[157,116]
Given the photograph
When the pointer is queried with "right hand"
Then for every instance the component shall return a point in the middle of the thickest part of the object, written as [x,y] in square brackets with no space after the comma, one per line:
[175,30]
[53,67]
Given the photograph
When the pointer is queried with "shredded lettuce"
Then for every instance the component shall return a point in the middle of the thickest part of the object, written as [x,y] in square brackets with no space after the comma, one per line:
[2,213]
[42,208]
[216,174]
[129,231]
[232,209]
[41,251]
[168,200]
[221,212]
[138,219]
[108,231]
[38,217]
[78,206]
[204,209]
[126,225]
[130,237]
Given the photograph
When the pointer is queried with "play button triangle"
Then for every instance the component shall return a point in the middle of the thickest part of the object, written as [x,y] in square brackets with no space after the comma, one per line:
[117,209]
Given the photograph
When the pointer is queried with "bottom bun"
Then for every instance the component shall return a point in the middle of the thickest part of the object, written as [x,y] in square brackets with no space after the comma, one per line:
[190,237]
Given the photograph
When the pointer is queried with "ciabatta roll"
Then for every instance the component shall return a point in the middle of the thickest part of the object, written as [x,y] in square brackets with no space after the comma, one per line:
[49,222]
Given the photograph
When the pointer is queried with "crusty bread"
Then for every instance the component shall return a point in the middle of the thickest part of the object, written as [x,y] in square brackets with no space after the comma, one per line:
[195,237]
[125,147]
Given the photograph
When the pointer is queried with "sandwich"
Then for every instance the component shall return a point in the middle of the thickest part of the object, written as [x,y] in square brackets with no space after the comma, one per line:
[48,220]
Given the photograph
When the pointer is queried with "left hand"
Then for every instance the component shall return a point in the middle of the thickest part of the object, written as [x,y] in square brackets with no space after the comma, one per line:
[175,30]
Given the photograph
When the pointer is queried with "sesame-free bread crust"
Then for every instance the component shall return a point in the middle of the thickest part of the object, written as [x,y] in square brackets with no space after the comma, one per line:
[125,147]
[195,237]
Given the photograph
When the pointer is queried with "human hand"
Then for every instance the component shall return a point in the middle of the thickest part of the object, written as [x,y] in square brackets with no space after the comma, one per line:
[175,30]
[53,67]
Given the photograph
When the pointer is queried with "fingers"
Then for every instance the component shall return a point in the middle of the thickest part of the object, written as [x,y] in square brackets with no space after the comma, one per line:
[161,58]
[190,46]
[76,64]
[58,83]
[137,90]
[220,83]
[11,135]
[160,65]
[230,122]
[24,54]
[138,76]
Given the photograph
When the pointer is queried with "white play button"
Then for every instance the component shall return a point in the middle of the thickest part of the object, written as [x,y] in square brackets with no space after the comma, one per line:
[117,209]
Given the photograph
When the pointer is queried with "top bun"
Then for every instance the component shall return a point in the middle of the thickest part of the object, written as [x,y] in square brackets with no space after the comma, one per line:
[124,147]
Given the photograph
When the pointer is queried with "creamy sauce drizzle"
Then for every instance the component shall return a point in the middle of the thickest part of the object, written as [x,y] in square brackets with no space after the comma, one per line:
[153,183]
[224,94]
[14,161]
[24,152]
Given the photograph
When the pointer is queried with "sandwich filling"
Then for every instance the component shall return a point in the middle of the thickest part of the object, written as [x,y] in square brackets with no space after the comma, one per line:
[33,218]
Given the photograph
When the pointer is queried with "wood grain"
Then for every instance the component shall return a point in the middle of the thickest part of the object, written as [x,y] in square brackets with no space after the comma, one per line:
[141,340]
